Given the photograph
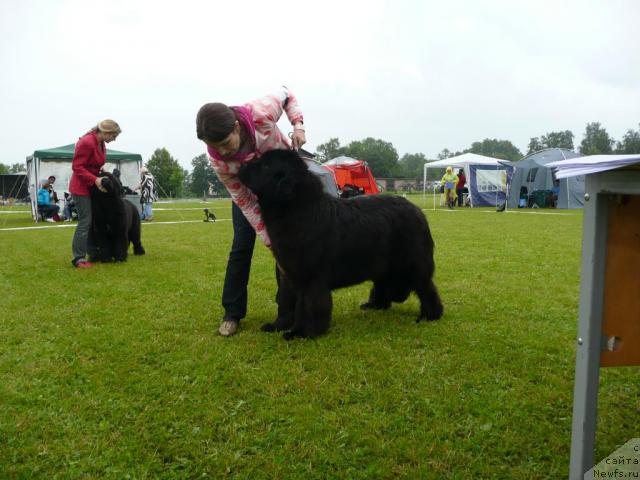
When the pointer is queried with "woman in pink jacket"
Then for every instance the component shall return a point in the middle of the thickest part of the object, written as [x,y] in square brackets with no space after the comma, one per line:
[235,135]
[88,159]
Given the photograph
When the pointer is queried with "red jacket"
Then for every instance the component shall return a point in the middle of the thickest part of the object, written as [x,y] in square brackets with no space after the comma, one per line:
[88,159]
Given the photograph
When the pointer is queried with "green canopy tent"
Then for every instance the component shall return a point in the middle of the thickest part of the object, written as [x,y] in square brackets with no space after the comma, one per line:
[57,162]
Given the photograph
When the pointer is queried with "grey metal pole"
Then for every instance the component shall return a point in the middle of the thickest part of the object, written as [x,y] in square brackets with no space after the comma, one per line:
[585,396]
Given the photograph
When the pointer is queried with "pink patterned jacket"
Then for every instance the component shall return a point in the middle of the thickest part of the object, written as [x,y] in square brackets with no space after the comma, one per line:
[265,113]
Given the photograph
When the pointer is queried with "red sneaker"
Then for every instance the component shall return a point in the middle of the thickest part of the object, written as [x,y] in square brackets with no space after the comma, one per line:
[84,264]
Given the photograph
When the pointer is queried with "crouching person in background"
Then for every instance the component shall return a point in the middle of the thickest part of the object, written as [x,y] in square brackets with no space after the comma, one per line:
[47,210]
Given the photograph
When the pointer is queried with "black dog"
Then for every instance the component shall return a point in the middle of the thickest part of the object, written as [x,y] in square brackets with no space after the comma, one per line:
[322,243]
[209,216]
[115,222]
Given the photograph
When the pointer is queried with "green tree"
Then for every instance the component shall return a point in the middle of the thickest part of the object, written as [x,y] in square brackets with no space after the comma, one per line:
[563,139]
[329,150]
[18,168]
[3,169]
[495,148]
[446,153]
[167,172]
[630,142]
[411,165]
[596,140]
[381,156]
[534,145]
[202,176]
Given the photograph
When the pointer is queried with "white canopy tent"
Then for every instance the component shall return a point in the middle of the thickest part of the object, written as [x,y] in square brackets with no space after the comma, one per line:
[485,175]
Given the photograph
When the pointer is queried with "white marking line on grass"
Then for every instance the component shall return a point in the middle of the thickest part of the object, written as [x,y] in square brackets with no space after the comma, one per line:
[540,213]
[508,211]
[171,209]
[23,212]
[185,221]
[67,225]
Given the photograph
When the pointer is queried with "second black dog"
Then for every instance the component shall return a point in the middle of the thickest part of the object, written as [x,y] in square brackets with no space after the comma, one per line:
[322,243]
[115,222]
[209,216]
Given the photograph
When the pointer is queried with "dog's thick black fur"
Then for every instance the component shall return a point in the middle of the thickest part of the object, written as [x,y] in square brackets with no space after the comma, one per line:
[322,243]
[115,222]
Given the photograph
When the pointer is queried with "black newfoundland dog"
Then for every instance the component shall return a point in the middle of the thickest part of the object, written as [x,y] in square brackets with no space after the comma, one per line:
[322,243]
[115,222]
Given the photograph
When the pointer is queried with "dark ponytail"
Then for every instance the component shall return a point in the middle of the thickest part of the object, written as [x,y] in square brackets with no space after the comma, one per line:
[214,122]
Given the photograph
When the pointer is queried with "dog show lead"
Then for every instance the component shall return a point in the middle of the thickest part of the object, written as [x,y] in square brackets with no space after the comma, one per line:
[236,135]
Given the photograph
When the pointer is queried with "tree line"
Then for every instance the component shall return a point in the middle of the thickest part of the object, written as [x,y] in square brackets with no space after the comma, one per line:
[382,157]
[384,161]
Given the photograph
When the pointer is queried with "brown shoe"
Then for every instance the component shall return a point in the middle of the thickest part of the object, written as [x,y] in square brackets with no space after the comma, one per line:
[228,328]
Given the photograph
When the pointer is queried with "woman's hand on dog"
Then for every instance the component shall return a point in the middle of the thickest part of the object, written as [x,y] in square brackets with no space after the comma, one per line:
[298,138]
[99,186]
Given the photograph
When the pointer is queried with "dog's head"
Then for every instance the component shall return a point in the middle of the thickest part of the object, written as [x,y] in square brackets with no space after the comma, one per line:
[111,184]
[279,176]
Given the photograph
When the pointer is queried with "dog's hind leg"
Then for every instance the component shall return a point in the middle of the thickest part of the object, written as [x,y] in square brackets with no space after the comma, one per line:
[430,304]
[379,296]
[312,314]
[134,236]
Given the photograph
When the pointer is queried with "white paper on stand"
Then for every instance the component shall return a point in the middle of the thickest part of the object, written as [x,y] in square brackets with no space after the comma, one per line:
[591,164]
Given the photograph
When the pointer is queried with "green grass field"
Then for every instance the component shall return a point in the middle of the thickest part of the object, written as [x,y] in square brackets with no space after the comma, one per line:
[117,371]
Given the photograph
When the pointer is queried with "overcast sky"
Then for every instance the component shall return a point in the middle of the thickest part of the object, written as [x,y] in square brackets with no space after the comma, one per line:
[423,75]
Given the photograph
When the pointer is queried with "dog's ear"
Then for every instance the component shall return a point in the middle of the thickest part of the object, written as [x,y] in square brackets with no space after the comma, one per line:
[117,185]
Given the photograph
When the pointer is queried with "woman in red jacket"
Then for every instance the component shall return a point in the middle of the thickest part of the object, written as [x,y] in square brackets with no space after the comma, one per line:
[88,159]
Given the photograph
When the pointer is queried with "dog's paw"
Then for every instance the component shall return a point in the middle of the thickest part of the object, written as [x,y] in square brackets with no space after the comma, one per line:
[374,306]
[291,334]
[268,327]
[139,252]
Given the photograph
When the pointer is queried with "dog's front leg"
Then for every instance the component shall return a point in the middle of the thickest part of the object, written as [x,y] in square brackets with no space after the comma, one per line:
[120,246]
[103,245]
[312,313]
[286,299]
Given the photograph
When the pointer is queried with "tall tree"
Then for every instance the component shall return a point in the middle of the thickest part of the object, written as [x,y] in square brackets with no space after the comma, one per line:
[18,168]
[534,145]
[596,140]
[3,169]
[202,176]
[445,153]
[630,142]
[492,147]
[331,149]
[563,139]
[167,172]
[381,156]
[411,165]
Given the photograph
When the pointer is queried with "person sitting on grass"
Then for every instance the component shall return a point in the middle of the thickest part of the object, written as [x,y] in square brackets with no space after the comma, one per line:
[46,209]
